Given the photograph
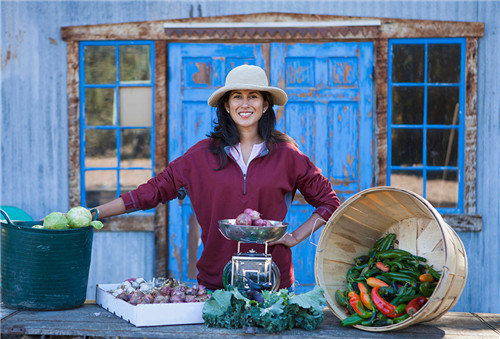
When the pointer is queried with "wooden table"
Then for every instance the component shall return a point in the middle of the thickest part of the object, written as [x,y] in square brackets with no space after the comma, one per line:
[91,320]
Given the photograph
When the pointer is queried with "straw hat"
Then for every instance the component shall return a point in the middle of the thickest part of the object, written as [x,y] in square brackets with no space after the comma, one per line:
[248,77]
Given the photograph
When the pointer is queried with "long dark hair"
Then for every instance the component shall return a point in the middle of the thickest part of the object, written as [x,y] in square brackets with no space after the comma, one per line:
[225,132]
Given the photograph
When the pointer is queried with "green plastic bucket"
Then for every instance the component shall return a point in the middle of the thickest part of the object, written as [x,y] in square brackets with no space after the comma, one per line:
[44,269]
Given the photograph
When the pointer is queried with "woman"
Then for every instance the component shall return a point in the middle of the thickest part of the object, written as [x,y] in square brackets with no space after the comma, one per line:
[244,163]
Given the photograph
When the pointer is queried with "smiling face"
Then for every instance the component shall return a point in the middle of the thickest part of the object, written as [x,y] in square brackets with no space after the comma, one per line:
[246,108]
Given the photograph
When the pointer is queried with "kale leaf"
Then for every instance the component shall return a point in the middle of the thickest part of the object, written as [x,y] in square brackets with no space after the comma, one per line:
[279,311]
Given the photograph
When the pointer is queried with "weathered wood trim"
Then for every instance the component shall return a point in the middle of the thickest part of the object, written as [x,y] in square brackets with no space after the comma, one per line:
[129,223]
[161,155]
[73,124]
[293,34]
[381,60]
[470,126]
[430,29]
[464,222]
[389,28]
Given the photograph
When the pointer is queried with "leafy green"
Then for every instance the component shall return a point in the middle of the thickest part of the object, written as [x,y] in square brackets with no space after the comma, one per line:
[55,221]
[79,217]
[97,224]
[279,311]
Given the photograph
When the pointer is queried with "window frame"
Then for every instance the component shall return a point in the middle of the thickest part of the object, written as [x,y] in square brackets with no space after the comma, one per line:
[117,127]
[424,126]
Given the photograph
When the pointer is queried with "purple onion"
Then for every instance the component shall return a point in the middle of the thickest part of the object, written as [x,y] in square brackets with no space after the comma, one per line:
[148,299]
[160,299]
[165,290]
[123,296]
[243,219]
[259,222]
[190,298]
[176,299]
[254,214]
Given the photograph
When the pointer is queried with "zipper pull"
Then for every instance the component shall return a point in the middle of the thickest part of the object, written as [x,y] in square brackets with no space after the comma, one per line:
[244,184]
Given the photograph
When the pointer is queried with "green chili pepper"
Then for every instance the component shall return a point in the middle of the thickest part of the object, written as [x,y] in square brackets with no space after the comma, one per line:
[369,321]
[340,298]
[407,298]
[388,242]
[427,288]
[401,277]
[401,318]
[354,319]
[414,274]
[383,322]
[361,260]
[434,273]
[400,309]
[384,279]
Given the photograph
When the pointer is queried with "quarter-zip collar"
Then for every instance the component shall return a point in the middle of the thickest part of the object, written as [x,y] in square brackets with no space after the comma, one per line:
[262,153]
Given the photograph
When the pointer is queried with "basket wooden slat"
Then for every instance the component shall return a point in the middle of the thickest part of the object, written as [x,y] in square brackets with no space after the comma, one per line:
[365,217]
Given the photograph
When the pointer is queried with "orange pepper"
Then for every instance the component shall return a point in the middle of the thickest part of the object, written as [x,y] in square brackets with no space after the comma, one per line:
[381,266]
[357,305]
[426,277]
[364,295]
[374,282]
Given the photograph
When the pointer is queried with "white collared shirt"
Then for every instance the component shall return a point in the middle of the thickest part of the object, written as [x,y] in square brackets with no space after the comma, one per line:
[238,156]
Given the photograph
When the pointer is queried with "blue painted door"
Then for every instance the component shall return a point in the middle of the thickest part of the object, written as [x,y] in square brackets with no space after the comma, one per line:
[329,114]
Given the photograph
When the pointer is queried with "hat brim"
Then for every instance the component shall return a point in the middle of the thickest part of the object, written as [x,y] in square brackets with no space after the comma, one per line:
[279,96]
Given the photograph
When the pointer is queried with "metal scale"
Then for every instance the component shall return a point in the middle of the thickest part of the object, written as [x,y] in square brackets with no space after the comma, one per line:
[252,270]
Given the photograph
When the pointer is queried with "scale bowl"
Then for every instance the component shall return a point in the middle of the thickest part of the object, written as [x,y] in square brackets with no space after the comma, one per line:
[255,234]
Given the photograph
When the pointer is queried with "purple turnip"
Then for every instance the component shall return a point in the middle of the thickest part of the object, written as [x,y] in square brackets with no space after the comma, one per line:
[243,219]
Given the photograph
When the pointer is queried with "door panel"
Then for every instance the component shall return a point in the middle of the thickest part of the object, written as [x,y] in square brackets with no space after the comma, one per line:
[329,114]
[330,96]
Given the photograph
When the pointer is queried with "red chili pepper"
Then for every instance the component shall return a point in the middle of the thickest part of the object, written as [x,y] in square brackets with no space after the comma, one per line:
[383,306]
[381,266]
[357,305]
[415,304]
[364,295]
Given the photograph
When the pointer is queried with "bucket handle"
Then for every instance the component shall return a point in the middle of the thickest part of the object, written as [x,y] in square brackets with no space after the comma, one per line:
[6,217]
[312,231]
[447,274]
[96,213]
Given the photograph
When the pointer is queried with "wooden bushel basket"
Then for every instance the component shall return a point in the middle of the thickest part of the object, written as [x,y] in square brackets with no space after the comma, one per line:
[366,216]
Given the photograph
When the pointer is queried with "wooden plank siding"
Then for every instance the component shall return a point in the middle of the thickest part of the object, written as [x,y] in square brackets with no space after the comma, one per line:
[40,102]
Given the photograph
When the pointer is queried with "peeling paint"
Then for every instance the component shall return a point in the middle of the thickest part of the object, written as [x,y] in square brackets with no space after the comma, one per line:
[178,258]
[193,243]
[203,74]
[280,112]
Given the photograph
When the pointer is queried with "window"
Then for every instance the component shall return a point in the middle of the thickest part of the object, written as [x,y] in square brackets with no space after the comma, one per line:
[425,121]
[116,118]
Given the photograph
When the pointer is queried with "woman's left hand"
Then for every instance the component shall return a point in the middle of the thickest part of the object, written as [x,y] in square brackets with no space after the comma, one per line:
[288,240]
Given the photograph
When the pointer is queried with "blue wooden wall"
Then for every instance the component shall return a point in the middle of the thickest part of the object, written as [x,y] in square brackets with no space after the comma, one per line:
[34,134]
